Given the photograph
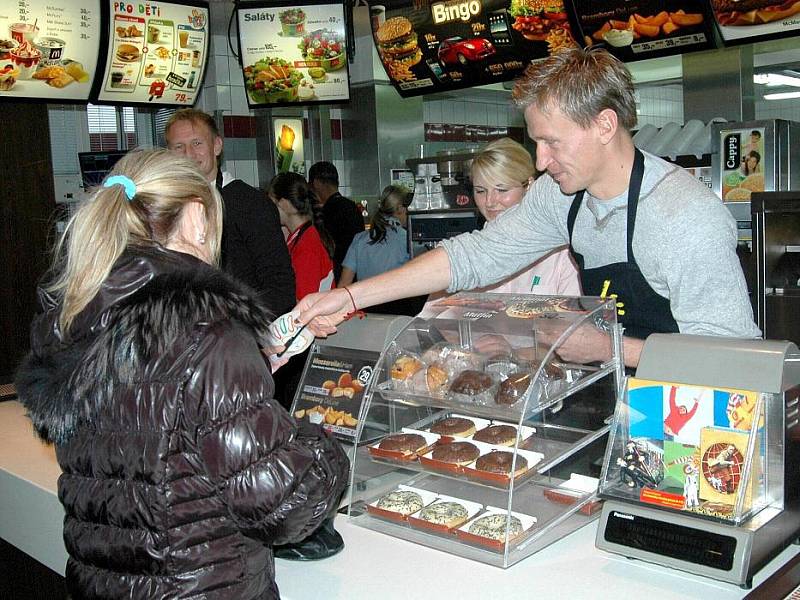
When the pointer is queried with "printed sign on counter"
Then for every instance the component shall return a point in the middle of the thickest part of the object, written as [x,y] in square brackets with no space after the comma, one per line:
[437,46]
[332,388]
[762,19]
[645,29]
[157,53]
[294,54]
[48,50]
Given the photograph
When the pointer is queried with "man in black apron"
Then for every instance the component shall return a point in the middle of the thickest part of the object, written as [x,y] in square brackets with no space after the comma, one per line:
[641,230]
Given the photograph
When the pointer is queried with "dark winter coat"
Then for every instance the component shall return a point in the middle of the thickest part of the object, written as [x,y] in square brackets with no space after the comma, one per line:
[179,470]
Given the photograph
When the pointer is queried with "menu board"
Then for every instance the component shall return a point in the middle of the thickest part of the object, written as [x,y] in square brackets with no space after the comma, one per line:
[157,53]
[761,20]
[48,50]
[294,54]
[646,28]
[433,47]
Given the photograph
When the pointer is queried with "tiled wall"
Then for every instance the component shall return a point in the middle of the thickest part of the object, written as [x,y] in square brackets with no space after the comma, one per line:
[223,90]
[659,104]
[485,113]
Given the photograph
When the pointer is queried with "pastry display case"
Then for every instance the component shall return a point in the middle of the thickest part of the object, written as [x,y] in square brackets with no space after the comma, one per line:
[493,444]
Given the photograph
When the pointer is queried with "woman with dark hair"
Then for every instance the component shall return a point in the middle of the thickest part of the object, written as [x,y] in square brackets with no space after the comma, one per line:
[751,163]
[310,245]
[385,245]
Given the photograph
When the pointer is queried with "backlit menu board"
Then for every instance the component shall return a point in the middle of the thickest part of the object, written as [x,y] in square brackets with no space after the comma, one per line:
[429,47]
[48,50]
[157,53]
[763,19]
[294,54]
[646,28]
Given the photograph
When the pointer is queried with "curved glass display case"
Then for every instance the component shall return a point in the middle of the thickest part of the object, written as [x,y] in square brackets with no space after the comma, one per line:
[475,437]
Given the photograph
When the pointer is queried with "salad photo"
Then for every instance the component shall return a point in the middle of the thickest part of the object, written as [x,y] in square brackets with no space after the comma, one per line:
[323,48]
[272,81]
[293,22]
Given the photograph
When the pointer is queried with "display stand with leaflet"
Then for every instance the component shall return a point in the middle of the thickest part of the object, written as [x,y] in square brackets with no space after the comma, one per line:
[702,469]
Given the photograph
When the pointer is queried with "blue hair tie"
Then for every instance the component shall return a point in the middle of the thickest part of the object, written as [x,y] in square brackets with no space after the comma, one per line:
[125,181]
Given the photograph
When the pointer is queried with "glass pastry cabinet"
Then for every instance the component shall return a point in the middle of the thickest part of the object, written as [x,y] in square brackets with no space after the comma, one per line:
[487,444]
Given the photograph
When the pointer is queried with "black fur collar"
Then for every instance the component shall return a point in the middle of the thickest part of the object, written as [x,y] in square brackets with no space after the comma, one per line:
[62,383]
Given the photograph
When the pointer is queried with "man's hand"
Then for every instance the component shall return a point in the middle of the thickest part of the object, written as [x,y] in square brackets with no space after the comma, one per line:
[585,345]
[323,311]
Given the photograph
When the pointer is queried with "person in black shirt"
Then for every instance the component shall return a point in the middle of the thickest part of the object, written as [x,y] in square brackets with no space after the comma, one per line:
[253,247]
[341,216]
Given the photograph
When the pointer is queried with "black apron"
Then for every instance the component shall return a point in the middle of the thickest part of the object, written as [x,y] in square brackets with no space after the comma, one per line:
[640,309]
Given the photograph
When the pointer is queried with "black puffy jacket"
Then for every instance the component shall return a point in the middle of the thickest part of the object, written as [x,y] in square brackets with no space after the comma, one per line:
[179,470]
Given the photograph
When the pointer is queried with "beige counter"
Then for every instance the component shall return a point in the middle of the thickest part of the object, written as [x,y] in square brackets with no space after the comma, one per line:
[372,565]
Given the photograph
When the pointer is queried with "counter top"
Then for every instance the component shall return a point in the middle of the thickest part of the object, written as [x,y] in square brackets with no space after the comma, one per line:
[372,565]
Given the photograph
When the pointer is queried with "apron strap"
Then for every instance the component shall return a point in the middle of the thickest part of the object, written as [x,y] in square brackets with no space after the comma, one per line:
[634,187]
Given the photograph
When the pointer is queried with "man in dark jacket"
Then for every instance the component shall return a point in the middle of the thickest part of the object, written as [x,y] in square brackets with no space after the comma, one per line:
[342,218]
[253,247]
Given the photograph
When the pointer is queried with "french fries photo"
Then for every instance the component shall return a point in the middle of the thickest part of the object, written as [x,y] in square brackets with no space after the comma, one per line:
[327,415]
[622,33]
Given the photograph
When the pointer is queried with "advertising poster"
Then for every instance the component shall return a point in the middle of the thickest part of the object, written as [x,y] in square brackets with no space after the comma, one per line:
[332,389]
[686,445]
[646,29]
[293,54]
[756,19]
[429,47]
[289,146]
[48,50]
[742,163]
[157,53]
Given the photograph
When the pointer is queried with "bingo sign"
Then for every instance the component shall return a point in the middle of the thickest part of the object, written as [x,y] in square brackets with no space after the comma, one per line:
[157,53]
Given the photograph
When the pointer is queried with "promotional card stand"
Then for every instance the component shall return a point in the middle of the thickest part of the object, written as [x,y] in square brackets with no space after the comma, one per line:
[702,469]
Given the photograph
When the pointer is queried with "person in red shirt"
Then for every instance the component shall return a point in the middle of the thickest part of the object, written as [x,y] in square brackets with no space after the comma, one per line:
[310,245]
[678,415]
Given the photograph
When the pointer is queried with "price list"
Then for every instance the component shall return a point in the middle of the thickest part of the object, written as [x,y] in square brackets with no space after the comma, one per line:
[49,49]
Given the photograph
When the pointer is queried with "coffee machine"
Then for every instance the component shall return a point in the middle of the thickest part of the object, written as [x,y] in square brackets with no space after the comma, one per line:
[443,205]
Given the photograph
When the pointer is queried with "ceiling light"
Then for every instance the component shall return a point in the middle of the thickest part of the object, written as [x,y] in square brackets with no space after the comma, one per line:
[782,96]
[772,79]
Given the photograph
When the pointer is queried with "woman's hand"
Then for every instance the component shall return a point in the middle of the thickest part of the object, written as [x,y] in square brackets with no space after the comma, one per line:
[323,311]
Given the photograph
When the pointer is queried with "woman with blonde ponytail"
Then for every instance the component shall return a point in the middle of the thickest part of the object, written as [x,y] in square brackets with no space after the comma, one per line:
[180,471]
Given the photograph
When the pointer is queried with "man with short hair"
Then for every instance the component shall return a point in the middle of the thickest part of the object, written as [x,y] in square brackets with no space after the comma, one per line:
[253,247]
[643,231]
[341,216]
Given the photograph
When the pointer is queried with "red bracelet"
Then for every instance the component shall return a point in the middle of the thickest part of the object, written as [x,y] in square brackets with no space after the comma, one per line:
[355,308]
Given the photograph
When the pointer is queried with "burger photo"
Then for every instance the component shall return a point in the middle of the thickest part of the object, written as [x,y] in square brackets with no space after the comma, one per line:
[534,19]
[753,12]
[128,52]
[397,42]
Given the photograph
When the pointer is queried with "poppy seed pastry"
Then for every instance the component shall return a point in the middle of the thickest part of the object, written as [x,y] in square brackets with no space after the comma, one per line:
[494,527]
[404,367]
[403,501]
[450,514]
[407,443]
[471,383]
[497,435]
[459,453]
[500,462]
[454,426]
